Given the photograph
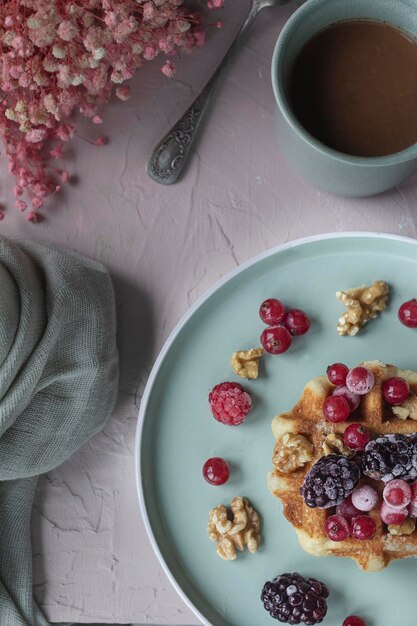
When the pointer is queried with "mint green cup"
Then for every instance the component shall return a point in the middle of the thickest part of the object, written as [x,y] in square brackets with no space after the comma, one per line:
[325,168]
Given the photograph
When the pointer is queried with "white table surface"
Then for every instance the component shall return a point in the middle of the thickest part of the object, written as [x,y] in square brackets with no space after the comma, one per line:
[165,247]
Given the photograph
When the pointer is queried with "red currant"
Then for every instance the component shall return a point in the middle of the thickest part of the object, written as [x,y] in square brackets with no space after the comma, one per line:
[353,399]
[397,494]
[407,313]
[337,373]
[297,322]
[276,339]
[272,312]
[336,409]
[389,515]
[356,437]
[354,620]
[395,390]
[347,509]
[363,527]
[360,380]
[337,528]
[216,471]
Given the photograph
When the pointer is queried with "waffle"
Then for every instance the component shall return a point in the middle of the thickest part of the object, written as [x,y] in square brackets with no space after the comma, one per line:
[306,418]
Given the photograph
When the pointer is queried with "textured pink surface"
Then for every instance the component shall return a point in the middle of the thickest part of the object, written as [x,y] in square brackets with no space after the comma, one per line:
[165,247]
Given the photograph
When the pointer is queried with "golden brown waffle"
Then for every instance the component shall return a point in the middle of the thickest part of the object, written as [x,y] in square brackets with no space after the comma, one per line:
[306,418]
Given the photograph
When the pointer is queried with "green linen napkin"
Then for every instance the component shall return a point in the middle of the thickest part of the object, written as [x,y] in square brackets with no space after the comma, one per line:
[58,385]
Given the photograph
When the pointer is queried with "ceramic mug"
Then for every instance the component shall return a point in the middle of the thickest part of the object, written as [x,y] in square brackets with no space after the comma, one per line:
[328,169]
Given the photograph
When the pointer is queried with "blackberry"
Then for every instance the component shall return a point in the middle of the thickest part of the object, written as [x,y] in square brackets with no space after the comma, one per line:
[330,481]
[391,456]
[292,598]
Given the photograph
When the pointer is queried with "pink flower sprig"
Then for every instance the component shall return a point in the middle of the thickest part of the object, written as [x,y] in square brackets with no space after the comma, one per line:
[61,57]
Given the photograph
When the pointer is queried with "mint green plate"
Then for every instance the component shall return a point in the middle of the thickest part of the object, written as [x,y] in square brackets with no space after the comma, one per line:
[176,432]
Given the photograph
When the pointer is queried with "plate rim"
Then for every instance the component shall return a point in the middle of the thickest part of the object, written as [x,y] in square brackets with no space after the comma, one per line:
[166,347]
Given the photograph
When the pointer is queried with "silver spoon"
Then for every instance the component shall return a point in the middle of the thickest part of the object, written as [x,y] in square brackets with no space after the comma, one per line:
[169,158]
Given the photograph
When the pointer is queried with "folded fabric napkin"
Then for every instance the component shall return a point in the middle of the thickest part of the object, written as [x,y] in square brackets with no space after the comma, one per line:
[58,385]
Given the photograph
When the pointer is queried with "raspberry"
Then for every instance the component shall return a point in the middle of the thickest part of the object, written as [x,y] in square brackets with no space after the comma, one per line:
[364,498]
[229,403]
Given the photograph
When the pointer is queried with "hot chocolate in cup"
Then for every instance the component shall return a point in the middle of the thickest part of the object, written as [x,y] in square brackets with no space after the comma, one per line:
[334,162]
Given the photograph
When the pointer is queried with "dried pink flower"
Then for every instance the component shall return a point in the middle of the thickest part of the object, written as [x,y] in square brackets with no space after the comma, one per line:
[59,57]
[168,69]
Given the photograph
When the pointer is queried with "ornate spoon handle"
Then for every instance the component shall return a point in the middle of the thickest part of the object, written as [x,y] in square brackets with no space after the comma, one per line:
[169,158]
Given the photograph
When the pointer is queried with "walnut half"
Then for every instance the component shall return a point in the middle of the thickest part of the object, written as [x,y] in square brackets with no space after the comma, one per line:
[246,362]
[334,444]
[408,409]
[363,304]
[292,452]
[243,530]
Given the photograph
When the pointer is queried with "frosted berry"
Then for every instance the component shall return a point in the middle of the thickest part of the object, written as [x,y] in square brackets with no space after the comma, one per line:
[330,481]
[336,409]
[414,492]
[272,312]
[297,322]
[292,598]
[360,380]
[397,493]
[365,498]
[356,437]
[229,403]
[354,620]
[347,509]
[216,471]
[337,528]
[276,339]
[363,527]
[353,399]
[389,515]
[395,390]
[337,373]
[412,510]
[407,313]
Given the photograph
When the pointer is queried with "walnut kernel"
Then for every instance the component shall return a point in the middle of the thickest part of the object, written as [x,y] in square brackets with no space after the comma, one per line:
[246,362]
[408,409]
[334,444]
[243,530]
[292,452]
[406,528]
[363,304]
